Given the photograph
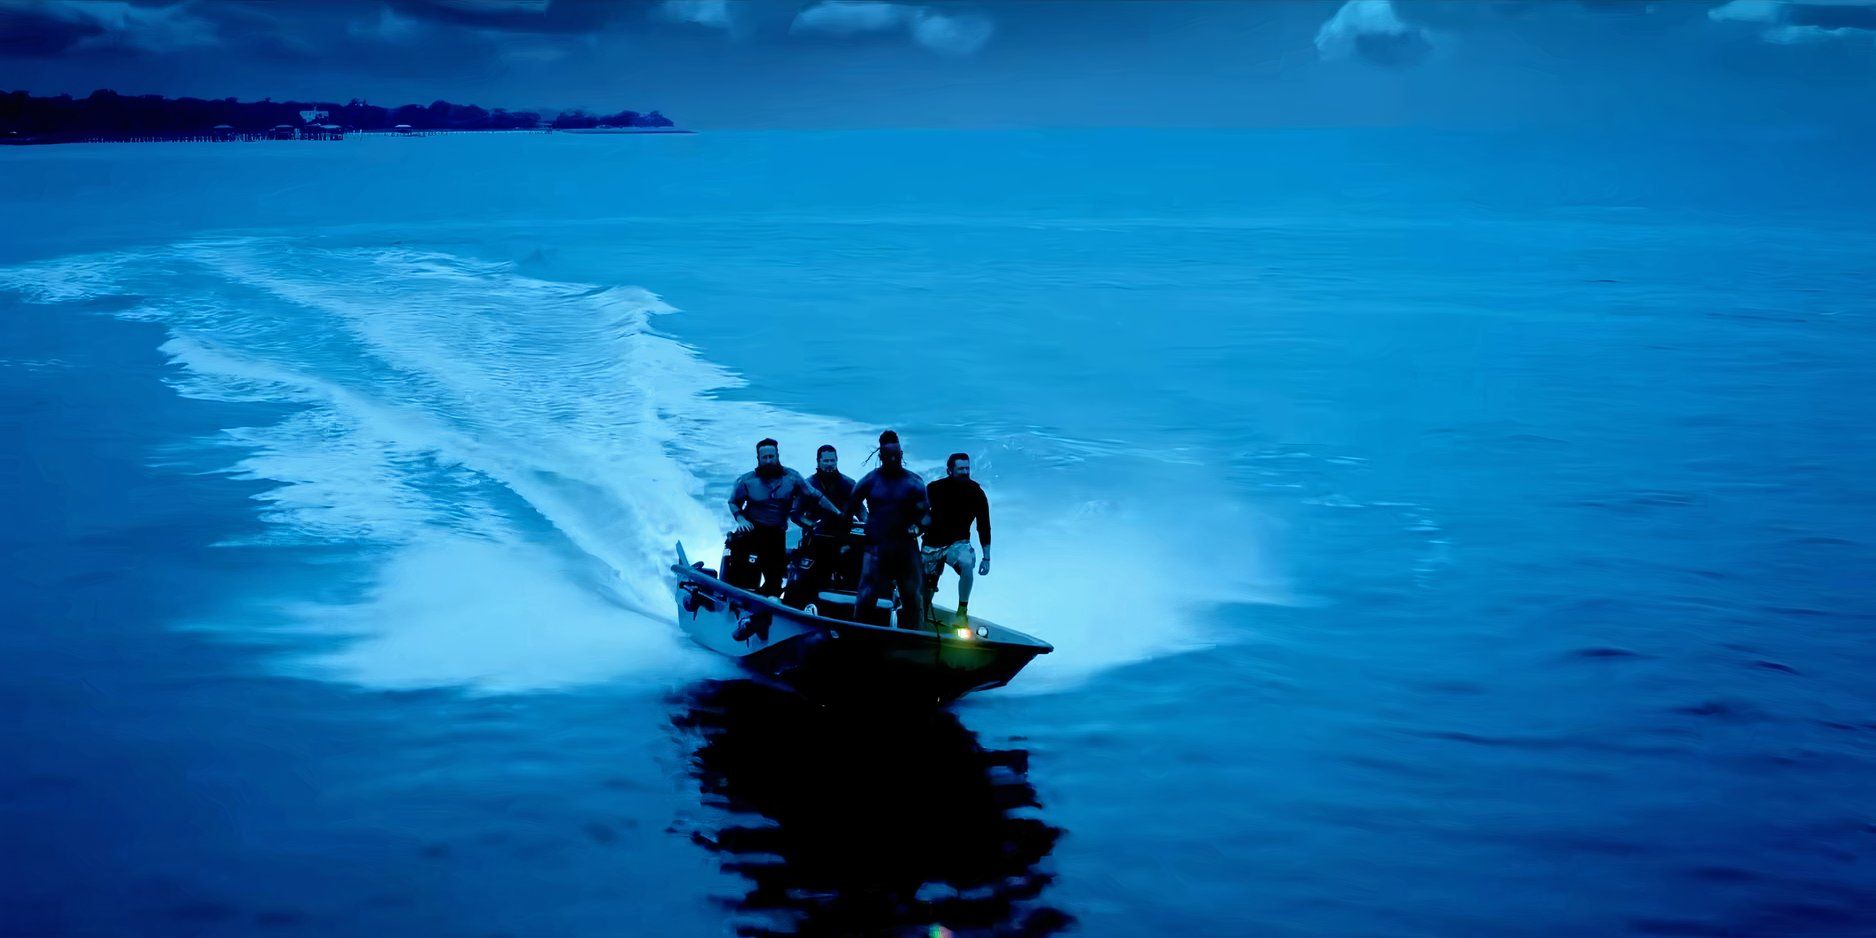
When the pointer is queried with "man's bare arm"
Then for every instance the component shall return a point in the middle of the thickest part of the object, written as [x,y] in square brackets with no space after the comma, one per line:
[857,499]
[736,506]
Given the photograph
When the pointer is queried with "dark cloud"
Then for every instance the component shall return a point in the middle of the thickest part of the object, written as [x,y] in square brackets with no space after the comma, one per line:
[53,27]
[1832,16]
[42,30]
[524,16]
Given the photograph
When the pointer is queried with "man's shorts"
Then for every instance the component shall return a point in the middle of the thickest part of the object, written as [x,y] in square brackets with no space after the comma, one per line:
[960,556]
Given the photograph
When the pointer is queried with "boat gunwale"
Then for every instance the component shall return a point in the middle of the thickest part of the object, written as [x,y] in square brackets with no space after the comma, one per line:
[1028,642]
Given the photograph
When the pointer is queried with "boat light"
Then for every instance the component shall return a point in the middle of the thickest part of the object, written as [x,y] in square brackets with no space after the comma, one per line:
[964,633]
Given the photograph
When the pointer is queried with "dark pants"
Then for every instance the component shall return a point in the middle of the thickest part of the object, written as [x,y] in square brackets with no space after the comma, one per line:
[812,569]
[885,566]
[770,548]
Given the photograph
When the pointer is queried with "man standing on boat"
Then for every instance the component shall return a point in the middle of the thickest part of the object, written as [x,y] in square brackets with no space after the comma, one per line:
[956,501]
[831,482]
[762,501]
[820,547]
[897,511]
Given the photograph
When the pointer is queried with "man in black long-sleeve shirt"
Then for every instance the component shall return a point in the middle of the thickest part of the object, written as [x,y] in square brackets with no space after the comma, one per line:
[832,482]
[820,547]
[956,501]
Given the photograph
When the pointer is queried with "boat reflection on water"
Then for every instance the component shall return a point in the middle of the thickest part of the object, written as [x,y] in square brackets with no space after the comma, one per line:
[844,823]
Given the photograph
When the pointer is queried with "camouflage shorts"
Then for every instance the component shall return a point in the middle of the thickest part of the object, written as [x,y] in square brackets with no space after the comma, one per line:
[960,556]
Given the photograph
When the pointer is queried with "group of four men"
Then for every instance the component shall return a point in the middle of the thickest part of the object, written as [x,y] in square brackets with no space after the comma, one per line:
[897,507]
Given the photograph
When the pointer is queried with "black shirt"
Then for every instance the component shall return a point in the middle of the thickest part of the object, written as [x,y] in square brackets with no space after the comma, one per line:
[835,485]
[955,503]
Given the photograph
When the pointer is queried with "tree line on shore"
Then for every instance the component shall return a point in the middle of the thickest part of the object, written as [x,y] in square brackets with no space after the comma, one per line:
[105,113]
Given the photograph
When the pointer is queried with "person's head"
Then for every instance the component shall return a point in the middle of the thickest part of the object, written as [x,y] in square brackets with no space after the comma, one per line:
[891,456]
[827,459]
[768,457]
[958,466]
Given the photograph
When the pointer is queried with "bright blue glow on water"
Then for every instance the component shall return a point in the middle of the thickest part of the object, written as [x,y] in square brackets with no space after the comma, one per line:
[1440,536]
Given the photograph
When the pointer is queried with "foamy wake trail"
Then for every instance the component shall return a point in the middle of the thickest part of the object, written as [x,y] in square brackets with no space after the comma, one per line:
[523,453]
[1109,585]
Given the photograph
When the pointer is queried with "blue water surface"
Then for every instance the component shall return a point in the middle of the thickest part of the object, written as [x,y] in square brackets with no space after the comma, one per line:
[1442,534]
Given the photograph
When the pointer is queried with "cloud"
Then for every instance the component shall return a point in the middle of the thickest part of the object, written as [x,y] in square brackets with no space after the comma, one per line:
[1370,30]
[517,16]
[741,19]
[1796,35]
[37,29]
[1791,22]
[849,17]
[55,26]
[390,26]
[1748,11]
[509,14]
[951,35]
[712,13]
[946,33]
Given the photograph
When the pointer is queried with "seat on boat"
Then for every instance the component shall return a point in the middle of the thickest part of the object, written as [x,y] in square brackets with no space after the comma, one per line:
[838,598]
[839,604]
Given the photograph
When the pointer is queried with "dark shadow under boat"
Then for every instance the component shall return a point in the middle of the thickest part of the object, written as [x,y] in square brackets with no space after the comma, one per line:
[847,822]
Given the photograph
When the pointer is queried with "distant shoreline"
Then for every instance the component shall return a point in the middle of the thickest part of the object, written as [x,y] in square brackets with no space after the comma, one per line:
[267,137]
[105,116]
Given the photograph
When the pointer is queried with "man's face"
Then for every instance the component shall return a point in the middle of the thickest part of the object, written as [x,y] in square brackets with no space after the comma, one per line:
[768,456]
[961,469]
[829,461]
[891,456]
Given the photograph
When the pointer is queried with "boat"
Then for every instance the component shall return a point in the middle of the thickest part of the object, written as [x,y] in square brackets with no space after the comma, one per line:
[818,644]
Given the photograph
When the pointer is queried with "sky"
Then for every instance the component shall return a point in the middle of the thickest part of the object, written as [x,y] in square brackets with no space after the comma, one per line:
[992,63]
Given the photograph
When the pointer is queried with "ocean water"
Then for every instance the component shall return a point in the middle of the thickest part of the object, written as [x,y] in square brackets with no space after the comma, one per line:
[1441,534]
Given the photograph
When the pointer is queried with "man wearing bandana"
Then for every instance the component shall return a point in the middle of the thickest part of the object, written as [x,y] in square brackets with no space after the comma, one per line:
[897,512]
